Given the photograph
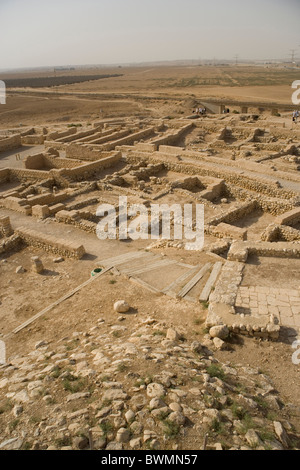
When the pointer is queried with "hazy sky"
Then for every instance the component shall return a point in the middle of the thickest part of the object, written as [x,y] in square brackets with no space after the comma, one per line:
[65,32]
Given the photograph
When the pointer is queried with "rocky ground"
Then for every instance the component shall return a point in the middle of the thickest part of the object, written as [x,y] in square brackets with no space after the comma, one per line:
[144,388]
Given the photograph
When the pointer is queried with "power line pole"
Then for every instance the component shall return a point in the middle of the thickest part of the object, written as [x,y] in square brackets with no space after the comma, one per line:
[293,55]
[236,59]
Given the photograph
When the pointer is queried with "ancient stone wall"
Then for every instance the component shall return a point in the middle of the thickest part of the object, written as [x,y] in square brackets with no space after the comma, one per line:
[235,213]
[10,143]
[5,227]
[291,217]
[4,176]
[50,243]
[57,135]
[11,243]
[33,139]
[16,204]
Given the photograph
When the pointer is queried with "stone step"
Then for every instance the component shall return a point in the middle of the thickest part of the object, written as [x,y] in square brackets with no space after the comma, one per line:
[186,289]
[204,296]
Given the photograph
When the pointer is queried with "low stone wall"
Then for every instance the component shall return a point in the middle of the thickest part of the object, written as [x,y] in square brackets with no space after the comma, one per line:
[48,198]
[256,184]
[83,152]
[41,162]
[4,176]
[21,174]
[93,150]
[221,309]
[288,234]
[51,244]
[11,243]
[172,137]
[87,202]
[143,147]
[91,168]
[223,230]
[111,136]
[58,162]
[74,218]
[5,227]
[236,213]
[97,135]
[79,135]
[280,232]
[289,218]
[274,206]
[60,175]
[213,191]
[40,211]
[239,251]
[129,139]
[16,204]
[10,143]
[57,135]
[33,139]
[34,162]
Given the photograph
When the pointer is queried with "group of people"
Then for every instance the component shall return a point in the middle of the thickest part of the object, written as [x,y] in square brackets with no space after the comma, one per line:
[200,111]
[296,114]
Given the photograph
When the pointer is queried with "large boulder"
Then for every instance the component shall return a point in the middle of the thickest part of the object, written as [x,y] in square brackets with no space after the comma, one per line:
[121,306]
[219,331]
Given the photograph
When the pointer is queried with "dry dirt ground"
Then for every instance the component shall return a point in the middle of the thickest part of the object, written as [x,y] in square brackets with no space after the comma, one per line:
[141,92]
[145,91]
[24,295]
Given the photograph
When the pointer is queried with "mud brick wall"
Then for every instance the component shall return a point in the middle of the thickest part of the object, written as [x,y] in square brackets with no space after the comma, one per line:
[87,202]
[223,230]
[239,251]
[111,136]
[34,162]
[48,198]
[12,243]
[33,139]
[51,244]
[58,162]
[41,162]
[21,174]
[280,232]
[16,204]
[146,147]
[10,143]
[235,213]
[4,176]
[56,135]
[91,168]
[96,135]
[288,234]
[274,206]
[79,135]
[129,139]
[173,137]
[213,191]
[289,218]
[5,227]
[55,145]
[74,218]
[83,152]
[257,184]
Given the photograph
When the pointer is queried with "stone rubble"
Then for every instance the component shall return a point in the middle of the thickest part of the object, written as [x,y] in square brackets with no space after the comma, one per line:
[138,391]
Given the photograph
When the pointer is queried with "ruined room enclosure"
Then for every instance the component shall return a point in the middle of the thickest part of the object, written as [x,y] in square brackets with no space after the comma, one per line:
[242,169]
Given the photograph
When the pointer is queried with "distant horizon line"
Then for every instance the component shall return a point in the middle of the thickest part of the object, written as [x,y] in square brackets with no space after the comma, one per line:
[199,62]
